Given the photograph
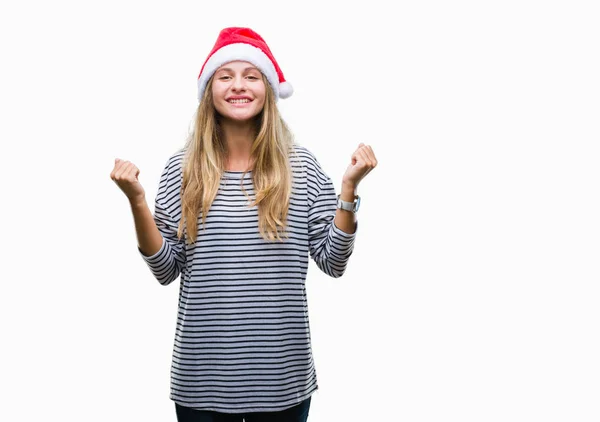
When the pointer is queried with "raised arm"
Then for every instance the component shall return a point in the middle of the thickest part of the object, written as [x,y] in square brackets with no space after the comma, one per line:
[125,175]
[332,231]
[156,235]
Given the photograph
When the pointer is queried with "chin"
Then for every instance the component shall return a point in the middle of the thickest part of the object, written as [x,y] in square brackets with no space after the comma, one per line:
[241,117]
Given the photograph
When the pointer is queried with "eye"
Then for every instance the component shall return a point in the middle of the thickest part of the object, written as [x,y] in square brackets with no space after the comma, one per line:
[252,77]
[224,77]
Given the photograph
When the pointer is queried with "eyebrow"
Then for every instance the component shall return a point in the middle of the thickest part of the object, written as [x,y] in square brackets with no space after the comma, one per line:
[231,70]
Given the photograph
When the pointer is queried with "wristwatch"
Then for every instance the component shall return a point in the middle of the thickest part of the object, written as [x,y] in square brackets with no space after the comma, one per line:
[349,206]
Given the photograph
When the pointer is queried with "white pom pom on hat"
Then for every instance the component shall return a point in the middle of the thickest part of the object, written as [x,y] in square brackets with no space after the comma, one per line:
[246,45]
[285,90]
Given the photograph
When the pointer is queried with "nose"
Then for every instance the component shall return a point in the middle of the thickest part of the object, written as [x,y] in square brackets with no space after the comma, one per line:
[238,84]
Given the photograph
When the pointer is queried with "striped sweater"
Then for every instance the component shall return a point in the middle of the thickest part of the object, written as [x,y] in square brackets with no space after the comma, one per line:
[242,341]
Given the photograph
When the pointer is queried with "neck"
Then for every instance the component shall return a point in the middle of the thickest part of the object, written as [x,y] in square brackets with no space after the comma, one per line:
[238,138]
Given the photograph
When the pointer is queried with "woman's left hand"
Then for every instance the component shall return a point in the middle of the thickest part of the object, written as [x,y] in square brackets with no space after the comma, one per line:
[362,162]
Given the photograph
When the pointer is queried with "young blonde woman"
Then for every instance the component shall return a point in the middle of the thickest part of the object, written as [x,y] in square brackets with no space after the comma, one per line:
[239,210]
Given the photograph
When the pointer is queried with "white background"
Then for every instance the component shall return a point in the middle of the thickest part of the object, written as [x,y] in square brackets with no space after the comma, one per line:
[473,290]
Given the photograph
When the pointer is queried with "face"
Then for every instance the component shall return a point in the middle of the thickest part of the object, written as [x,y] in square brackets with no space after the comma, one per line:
[238,91]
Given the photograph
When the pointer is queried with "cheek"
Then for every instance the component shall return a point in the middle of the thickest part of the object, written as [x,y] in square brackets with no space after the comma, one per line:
[261,93]
[263,90]
[216,89]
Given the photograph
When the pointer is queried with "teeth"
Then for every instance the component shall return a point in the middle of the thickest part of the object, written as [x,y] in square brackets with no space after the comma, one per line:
[239,101]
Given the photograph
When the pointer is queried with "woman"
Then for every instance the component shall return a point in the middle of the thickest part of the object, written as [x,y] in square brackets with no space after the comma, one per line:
[239,209]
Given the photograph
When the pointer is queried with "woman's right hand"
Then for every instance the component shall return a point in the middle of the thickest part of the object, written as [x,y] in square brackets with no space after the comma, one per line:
[125,175]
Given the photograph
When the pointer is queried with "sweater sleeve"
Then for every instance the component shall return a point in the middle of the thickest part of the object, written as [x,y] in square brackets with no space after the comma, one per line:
[330,247]
[167,264]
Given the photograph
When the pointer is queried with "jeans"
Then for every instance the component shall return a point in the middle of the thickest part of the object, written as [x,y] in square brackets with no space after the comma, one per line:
[298,413]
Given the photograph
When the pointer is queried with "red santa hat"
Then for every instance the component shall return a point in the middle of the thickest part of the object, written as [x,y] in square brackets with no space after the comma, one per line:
[245,45]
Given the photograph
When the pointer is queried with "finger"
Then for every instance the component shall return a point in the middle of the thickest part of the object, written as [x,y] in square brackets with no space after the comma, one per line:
[129,172]
[119,164]
[119,169]
[369,151]
[133,172]
[122,170]
[365,158]
[116,166]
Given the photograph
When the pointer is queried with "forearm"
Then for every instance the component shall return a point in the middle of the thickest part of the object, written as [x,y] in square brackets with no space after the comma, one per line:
[149,238]
[346,220]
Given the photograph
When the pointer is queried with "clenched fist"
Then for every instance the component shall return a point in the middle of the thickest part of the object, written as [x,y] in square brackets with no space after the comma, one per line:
[361,163]
[125,175]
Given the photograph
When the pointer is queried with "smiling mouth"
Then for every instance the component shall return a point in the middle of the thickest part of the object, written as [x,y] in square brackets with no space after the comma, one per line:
[244,101]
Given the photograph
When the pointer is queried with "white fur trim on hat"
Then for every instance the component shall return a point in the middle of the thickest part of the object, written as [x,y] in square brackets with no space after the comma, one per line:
[242,52]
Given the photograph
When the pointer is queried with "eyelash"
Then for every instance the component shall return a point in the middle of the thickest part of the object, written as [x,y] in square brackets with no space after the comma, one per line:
[251,77]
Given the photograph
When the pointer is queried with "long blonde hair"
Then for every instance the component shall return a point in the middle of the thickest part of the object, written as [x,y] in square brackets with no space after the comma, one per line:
[204,163]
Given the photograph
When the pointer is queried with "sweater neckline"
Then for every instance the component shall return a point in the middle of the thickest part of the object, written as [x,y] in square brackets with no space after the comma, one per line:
[237,174]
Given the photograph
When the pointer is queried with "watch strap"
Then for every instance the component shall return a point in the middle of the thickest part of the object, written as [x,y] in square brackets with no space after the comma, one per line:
[348,206]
